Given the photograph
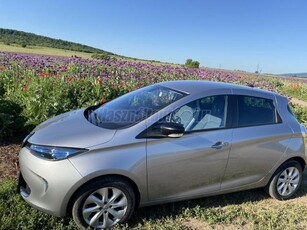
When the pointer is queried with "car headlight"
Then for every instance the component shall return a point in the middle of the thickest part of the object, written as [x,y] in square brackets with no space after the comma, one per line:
[54,153]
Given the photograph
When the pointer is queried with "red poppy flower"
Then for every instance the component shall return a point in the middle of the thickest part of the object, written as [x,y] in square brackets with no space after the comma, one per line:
[43,74]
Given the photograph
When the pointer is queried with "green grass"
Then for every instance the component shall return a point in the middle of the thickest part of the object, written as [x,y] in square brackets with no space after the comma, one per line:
[43,50]
[295,89]
[300,113]
[249,209]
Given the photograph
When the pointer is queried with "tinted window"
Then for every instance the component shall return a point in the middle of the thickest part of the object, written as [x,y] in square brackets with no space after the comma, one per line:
[256,111]
[203,114]
[133,107]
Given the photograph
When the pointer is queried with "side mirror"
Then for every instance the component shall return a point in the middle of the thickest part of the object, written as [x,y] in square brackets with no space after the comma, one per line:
[172,129]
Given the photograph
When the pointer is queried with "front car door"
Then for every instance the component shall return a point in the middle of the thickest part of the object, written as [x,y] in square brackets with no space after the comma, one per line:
[194,164]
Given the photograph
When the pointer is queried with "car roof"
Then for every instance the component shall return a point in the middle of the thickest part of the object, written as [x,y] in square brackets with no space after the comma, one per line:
[198,86]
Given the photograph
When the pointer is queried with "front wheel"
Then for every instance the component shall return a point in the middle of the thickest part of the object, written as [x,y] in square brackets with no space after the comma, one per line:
[286,181]
[104,203]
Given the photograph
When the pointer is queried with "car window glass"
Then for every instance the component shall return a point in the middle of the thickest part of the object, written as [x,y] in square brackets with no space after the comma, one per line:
[255,111]
[203,114]
[133,107]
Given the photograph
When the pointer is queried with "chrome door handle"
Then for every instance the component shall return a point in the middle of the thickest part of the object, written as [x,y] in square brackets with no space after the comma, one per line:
[219,145]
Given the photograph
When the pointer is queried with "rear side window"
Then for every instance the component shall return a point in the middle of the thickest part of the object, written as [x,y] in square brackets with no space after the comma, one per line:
[254,111]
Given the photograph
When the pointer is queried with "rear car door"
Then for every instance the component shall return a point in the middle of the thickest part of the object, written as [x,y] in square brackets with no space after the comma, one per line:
[260,138]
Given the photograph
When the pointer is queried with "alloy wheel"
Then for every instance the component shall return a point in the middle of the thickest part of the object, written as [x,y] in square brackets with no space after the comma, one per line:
[288,181]
[104,207]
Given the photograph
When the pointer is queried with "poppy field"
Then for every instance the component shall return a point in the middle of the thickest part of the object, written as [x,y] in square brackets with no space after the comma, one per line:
[34,88]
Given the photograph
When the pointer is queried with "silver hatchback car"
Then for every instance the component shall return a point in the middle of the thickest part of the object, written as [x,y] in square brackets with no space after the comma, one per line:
[166,142]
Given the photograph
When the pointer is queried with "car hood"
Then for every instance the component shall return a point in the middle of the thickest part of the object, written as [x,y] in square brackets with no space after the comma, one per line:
[70,129]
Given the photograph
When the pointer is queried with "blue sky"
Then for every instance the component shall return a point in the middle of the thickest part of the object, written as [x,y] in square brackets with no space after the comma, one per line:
[231,34]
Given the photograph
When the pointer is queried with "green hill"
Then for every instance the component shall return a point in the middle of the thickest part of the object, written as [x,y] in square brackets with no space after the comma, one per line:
[24,42]
[24,39]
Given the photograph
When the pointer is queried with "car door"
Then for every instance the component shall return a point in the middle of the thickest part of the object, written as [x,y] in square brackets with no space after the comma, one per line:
[194,164]
[259,141]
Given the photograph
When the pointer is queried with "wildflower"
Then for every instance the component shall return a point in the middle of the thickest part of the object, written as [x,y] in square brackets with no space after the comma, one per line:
[43,74]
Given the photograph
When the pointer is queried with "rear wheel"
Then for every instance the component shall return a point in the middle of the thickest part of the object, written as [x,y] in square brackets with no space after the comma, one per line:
[104,203]
[286,181]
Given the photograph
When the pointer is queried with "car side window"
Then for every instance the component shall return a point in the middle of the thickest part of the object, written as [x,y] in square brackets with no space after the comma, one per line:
[254,111]
[202,114]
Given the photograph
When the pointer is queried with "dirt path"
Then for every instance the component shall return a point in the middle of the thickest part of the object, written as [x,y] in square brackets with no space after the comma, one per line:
[299,102]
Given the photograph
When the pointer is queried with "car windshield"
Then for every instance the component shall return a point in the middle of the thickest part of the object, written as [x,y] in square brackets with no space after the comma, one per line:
[133,107]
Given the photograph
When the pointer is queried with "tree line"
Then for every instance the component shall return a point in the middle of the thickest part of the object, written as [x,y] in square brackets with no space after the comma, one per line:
[24,39]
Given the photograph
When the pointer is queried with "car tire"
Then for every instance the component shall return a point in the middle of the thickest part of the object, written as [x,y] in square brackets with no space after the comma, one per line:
[104,203]
[285,181]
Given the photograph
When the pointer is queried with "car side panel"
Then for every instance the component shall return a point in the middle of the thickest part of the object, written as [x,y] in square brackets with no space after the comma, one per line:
[122,156]
[298,144]
[254,152]
[187,166]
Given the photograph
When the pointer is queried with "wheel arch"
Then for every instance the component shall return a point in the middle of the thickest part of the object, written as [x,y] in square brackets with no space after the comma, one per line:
[114,177]
[300,160]
[271,186]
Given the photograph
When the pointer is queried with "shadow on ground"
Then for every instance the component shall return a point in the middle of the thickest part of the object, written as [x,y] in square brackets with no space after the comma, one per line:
[174,209]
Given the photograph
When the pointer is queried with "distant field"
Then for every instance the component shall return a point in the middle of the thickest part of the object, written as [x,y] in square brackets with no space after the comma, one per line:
[62,52]
[43,50]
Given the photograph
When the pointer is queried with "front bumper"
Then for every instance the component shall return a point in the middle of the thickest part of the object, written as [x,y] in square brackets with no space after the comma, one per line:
[47,185]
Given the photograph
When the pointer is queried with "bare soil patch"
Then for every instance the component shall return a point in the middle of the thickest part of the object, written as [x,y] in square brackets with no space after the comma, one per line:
[9,158]
[299,102]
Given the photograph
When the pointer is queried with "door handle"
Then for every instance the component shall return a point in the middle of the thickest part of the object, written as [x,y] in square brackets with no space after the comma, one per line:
[219,145]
